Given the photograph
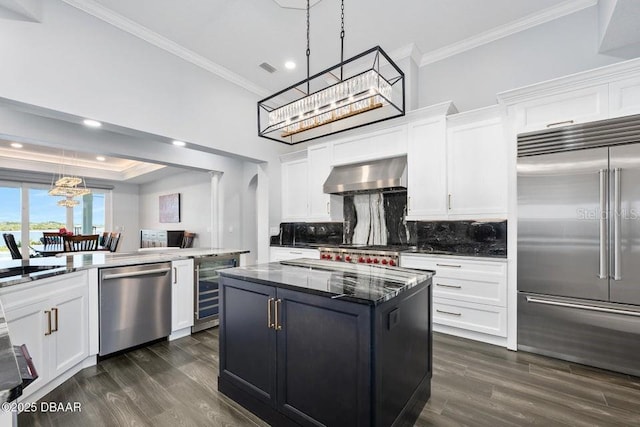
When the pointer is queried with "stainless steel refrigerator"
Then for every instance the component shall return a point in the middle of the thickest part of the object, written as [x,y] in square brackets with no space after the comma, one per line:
[579,243]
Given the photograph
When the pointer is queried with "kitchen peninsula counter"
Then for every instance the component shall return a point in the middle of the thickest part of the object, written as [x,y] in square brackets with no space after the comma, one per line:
[312,342]
[14,272]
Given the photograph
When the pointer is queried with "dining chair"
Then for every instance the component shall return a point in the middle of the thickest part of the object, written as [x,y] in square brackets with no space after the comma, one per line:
[79,243]
[114,239]
[10,241]
[51,238]
[187,240]
[104,240]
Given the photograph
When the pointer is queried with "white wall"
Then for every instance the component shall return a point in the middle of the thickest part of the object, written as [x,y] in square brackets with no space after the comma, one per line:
[472,79]
[195,205]
[77,64]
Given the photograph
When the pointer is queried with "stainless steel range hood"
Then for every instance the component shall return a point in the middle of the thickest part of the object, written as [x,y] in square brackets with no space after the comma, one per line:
[376,175]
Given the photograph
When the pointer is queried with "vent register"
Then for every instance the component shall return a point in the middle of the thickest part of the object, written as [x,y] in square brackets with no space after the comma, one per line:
[602,133]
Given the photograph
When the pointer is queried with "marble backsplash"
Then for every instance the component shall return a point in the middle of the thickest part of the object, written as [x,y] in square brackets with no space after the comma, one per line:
[376,219]
[379,219]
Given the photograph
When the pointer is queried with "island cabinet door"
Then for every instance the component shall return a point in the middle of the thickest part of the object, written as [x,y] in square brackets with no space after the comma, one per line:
[324,360]
[248,338]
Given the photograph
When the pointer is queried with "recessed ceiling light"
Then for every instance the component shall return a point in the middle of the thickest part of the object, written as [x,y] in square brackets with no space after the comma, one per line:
[179,143]
[100,158]
[92,123]
[16,145]
[289,65]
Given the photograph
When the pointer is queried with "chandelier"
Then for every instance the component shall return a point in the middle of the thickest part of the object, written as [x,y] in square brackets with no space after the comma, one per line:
[69,188]
[362,90]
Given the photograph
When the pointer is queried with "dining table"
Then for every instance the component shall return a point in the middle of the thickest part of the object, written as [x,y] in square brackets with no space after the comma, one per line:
[55,249]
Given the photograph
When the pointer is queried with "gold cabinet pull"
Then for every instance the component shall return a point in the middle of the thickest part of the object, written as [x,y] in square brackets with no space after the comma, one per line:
[270,323]
[55,322]
[48,322]
[442,285]
[449,312]
[566,122]
[277,324]
[449,265]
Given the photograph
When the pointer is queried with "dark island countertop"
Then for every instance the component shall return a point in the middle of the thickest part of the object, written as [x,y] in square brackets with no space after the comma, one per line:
[361,283]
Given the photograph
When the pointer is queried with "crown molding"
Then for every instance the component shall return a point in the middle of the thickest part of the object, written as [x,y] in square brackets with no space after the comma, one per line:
[109,16]
[530,21]
[408,51]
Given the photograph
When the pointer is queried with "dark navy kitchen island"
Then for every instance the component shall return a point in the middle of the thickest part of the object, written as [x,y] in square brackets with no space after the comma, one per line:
[311,342]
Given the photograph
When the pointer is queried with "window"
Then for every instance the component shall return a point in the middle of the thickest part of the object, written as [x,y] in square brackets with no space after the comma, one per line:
[27,219]
[10,216]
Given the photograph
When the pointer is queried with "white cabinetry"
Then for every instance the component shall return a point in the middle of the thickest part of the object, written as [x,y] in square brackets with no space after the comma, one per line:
[457,167]
[50,316]
[322,206]
[283,254]
[427,169]
[477,165]
[182,288]
[469,296]
[294,188]
[624,97]
[564,108]
[389,142]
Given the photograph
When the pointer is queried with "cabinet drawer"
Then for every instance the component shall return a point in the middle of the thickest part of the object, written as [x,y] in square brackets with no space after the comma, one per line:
[473,317]
[483,290]
[452,267]
[284,254]
[577,106]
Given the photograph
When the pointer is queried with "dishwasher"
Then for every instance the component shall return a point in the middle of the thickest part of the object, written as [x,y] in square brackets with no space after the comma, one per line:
[135,305]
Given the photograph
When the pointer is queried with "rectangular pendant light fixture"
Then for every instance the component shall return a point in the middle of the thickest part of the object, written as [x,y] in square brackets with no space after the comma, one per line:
[359,91]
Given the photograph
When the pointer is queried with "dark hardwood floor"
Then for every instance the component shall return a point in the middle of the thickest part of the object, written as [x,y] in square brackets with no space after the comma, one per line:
[175,384]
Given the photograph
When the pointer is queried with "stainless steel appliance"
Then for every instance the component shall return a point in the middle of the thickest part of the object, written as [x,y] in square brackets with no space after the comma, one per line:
[579,243]
[382,255]
[135,305]
[206,293]
[372,176]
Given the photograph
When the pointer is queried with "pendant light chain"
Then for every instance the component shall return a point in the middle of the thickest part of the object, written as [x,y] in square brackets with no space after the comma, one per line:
[308,49]
[341,36]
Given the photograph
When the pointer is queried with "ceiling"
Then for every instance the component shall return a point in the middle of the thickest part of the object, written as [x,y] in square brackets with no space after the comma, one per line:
[56,161]
[239,35]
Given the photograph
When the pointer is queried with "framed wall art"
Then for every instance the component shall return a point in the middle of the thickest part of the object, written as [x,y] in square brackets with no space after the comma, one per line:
[170,208]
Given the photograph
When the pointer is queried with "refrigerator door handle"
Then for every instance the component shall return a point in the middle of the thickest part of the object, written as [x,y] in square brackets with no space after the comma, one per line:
[544,301]
[617,211]
[604,264]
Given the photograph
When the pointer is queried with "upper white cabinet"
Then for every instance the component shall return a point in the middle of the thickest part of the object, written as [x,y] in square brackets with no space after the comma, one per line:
[477,165]
[606,92]
[457,167]
[624,97]
[562,109]
[294,188]
[389,142]
[303,177]
[427,168]
[322,207]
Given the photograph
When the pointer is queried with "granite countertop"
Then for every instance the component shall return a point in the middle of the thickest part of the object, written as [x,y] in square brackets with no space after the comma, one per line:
[361,283]
[14,272]
[10,378]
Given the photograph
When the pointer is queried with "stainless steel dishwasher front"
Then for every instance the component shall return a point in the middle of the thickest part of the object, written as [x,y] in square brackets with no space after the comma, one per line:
[135,305]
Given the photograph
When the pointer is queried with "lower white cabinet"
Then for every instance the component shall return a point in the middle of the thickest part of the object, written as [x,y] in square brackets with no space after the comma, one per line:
[182,289]
[283,254]
[50,316]
[468,295]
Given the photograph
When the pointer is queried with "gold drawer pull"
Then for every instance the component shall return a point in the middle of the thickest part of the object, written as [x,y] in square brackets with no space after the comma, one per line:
[449,312]
[449,265]
[449,286]
[55,323]
[566,122]
[48,322]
